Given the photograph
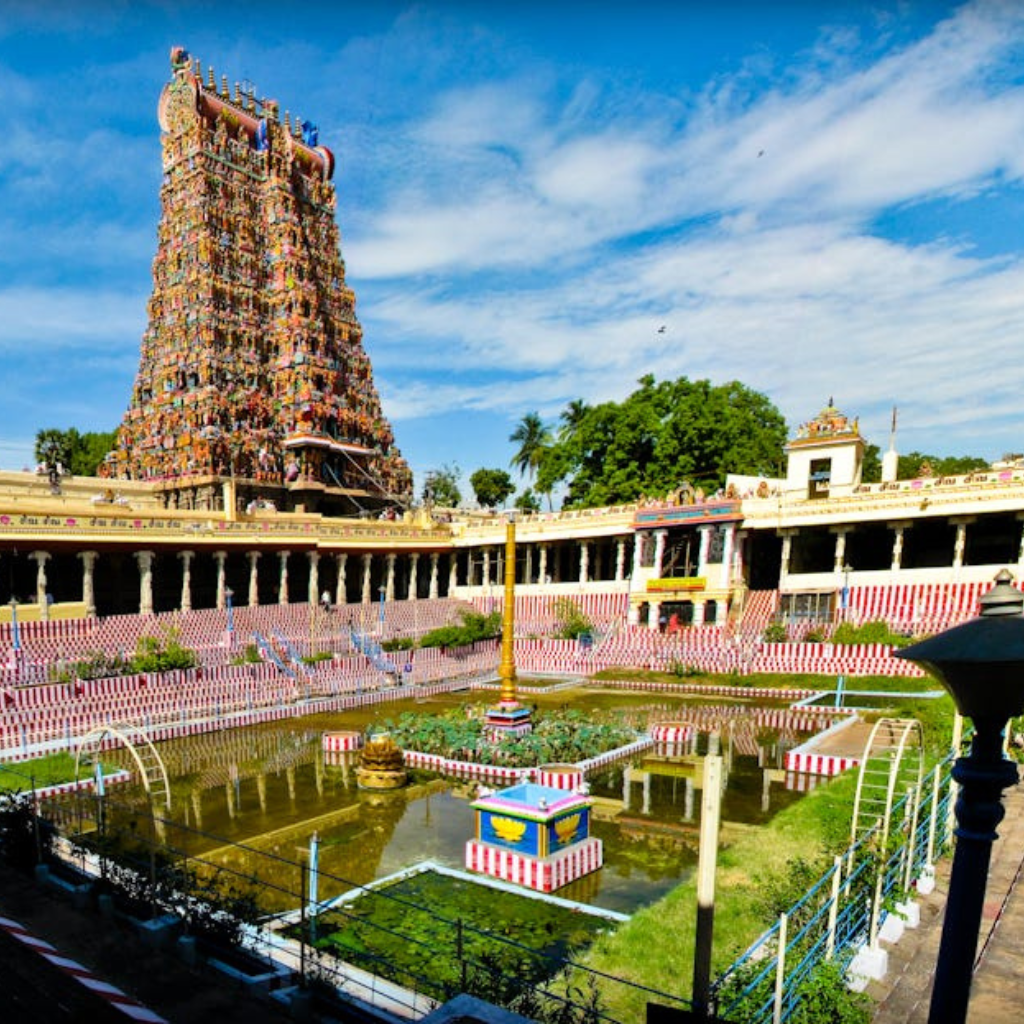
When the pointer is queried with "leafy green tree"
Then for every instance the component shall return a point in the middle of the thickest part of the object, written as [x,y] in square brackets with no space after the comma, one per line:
[662,436]
[89,453]
[533,438]
[526,501]
[79,454]
[441,486]
[914,464]
[491,486]
[871,468]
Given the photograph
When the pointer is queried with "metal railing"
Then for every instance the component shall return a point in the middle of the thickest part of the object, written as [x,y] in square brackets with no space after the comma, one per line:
[845,910]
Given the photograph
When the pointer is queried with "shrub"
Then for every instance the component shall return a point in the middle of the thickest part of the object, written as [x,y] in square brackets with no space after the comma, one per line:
[154,654]
[572,623]
[474,627]
[775,633]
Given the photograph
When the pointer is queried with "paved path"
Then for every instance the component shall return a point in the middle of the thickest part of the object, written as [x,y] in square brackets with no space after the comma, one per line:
[997,992]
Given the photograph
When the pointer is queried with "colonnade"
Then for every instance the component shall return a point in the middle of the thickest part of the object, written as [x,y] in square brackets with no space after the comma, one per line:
[480,568]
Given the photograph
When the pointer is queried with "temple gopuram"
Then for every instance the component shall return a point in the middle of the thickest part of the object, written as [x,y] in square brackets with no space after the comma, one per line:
[252,373]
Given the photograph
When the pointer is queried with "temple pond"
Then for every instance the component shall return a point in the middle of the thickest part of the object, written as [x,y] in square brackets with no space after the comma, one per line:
[249,800]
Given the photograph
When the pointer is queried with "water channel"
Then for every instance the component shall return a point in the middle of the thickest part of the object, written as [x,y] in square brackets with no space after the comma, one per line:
[250,800]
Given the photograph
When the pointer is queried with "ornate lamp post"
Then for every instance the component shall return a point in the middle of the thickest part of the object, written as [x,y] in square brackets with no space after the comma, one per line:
[981,665]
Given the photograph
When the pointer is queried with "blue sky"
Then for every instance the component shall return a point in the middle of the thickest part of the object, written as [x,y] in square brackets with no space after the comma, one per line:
[816,199]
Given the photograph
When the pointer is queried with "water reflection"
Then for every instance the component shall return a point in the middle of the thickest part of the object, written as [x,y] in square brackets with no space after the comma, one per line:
[271,787]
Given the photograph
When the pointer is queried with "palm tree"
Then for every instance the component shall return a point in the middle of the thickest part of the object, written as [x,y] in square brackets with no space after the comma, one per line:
[572,415]
[533,439]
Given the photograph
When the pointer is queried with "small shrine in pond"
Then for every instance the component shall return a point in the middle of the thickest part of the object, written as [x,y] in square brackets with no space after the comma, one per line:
[534,836]
[253,381]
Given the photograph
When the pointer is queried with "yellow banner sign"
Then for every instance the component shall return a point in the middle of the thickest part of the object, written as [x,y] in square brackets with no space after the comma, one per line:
[677,583]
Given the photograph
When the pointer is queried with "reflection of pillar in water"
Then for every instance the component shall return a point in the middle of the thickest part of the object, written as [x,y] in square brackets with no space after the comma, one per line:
[261,791]
[688,800]
[647,794]
[289,774]
[766,794]
[627,778]
[229,796]
[344,769]
[318,770]
[694,737]
[728,751]
[197,807]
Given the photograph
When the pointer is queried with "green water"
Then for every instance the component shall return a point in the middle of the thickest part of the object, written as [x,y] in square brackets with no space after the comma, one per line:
[269,788]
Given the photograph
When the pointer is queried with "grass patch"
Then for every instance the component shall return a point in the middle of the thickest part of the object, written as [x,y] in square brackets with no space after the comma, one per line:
[487,939]
[759,874]
[51,770]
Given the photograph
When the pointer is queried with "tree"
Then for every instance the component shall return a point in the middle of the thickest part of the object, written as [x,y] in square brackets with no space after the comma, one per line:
[910,466]
[441,486]
[533,438]
[526,501]
[491,487]
[79,454]
[54,446]
[660,437]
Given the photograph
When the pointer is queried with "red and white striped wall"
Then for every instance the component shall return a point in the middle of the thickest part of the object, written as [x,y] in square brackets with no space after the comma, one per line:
[339,742]
[818,764]
[560,776]
[541,875]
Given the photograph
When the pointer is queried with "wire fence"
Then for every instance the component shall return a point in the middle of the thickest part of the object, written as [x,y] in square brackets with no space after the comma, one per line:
[257,911]
[845,912]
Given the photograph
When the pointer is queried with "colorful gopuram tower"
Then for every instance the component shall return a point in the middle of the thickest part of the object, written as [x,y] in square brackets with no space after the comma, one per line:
[252,367]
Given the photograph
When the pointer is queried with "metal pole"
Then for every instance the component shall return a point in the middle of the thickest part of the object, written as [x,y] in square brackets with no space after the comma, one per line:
[833,910]
[707,858]
[982,776]
[780,971]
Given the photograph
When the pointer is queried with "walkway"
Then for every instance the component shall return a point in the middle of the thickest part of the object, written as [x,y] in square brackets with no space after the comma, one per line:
[997,993]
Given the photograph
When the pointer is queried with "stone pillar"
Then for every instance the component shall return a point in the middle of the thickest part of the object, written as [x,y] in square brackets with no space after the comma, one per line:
[787,550]
[584,561]
[365,595]
[145,560]
[89,581]
[41,558]
[221,558]
[960,544]
[897,547]
[282,582]
[389,584]
[620,558]
[638,554]
[186,580]
[432,592]
[453,572]
[254,579]
[727,553]
[486,581]
[659,551]
[653,614]
[341,588]
[528,563]
[542,571]
[313,590]
[839,559]
[698,613]
[414,566]
[703,547]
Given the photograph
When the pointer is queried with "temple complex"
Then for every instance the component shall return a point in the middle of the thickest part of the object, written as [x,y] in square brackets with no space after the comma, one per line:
[254,446]
[252,368]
